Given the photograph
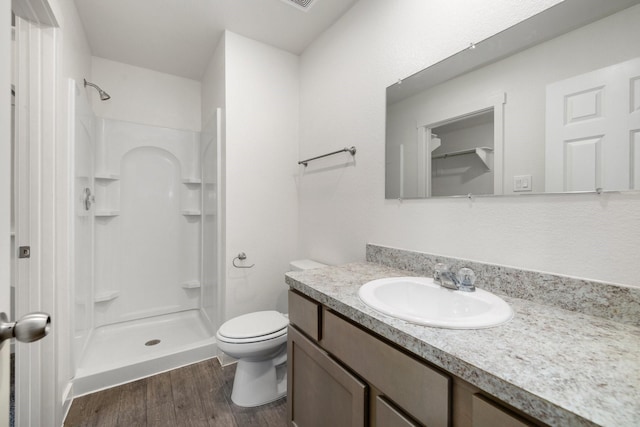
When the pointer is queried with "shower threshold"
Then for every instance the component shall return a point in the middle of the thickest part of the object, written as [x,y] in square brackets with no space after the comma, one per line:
[128,351]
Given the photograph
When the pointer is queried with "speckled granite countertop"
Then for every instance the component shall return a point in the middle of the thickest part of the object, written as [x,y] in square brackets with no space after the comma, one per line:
[561,367]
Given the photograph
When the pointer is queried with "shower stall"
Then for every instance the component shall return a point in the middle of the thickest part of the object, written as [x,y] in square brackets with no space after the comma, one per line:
[145,248]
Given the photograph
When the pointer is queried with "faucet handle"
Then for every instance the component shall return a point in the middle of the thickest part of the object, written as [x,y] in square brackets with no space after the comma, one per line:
[438,270]
[467,278]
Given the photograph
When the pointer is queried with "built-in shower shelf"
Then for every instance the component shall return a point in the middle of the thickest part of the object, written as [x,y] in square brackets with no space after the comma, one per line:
[107,176]
[192,181]
[192,284]
[107,213]
[191,212]
[106,296]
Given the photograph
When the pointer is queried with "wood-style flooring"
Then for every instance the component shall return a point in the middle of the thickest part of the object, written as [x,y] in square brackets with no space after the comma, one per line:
[196,395]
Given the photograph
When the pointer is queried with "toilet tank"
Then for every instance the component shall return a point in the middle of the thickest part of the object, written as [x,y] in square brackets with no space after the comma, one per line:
[305,264]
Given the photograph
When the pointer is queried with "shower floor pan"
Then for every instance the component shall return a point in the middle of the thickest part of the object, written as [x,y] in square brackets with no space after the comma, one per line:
[128,351]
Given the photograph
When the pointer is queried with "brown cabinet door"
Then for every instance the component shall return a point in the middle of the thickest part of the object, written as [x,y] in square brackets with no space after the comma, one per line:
[388,415]
[321,392]
[488,414]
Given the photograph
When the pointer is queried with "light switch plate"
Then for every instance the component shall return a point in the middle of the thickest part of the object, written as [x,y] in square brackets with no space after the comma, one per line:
[522,183]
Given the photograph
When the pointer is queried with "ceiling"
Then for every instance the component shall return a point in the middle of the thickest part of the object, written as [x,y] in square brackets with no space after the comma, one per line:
[179,36]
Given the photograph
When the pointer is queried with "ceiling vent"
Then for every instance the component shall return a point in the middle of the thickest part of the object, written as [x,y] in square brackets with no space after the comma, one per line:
[300,4]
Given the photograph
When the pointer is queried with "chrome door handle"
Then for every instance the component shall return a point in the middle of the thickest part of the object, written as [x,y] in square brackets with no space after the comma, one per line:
[31,327]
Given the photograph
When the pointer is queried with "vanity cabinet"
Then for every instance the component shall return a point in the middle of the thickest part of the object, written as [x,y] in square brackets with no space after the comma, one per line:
[340,374]
[418,389]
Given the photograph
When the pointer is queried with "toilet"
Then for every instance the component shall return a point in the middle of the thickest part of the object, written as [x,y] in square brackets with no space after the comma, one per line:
[259,341]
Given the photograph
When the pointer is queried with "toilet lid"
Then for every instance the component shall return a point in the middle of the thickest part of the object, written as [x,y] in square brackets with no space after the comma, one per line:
[254,324]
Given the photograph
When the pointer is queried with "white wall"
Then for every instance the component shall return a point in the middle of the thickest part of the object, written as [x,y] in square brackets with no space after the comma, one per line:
[343,79]
[145,96]
[260,172]
[213,84]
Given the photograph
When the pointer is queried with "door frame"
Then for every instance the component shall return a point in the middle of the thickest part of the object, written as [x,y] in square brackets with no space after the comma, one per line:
[5,200]
[458,110]
[36,79]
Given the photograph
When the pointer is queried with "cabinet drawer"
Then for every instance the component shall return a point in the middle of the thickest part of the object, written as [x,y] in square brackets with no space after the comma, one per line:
[488,414]
[388,416]
[305,314]
[420,390]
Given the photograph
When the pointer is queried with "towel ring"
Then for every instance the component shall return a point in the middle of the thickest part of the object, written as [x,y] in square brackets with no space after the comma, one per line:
[241,256]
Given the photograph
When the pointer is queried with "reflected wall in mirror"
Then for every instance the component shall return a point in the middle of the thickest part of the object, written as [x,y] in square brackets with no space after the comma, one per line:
[532,116]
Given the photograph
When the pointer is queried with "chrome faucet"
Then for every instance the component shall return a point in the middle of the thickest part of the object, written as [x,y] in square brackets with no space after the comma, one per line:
[463,281]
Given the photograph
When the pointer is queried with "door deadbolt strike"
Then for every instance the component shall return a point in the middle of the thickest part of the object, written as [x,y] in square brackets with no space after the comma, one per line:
[24,252]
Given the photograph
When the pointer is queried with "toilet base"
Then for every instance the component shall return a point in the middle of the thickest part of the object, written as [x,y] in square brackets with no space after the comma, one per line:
[259,382]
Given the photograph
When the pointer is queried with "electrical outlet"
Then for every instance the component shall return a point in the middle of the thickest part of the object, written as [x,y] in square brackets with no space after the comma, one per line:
[522,183]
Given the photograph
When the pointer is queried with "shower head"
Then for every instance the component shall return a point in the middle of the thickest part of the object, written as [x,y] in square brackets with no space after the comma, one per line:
[103,95]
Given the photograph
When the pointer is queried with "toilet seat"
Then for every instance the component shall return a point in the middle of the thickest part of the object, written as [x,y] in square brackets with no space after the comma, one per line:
[254,327]
[252,339]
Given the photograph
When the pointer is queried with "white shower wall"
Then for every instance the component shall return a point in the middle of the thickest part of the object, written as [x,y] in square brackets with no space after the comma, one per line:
[211,230]
[147,221]
[138,270]
[83,224]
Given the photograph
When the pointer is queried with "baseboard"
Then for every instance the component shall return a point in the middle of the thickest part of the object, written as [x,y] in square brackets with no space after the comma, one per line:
[225,359]
[67,400]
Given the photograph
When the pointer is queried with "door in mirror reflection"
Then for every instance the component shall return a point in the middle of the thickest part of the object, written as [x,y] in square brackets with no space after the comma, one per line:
[593,130]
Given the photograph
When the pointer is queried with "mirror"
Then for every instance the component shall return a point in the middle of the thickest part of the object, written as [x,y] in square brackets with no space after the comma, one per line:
[549,105]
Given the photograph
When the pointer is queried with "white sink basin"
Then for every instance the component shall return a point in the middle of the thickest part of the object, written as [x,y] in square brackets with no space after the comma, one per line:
[420,300]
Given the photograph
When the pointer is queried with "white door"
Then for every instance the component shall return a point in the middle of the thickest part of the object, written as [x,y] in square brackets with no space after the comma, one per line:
[35,62]
[593,130]
[5,201]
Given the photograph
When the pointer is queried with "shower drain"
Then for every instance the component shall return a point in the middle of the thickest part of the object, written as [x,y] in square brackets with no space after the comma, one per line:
[152,342]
